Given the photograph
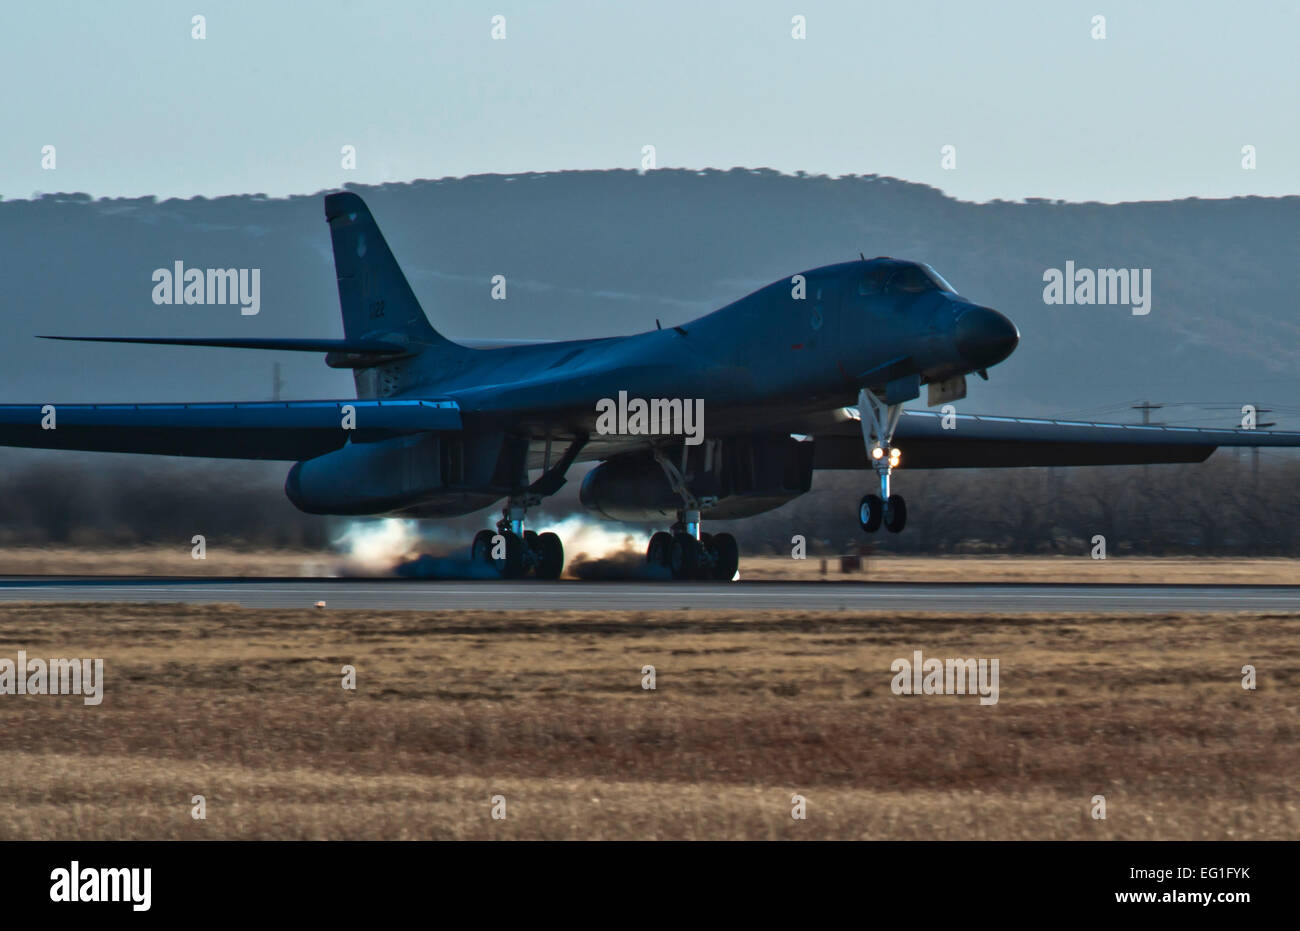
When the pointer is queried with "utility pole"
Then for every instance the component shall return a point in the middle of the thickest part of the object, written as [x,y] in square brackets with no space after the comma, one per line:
[1146,407]
[1254,450]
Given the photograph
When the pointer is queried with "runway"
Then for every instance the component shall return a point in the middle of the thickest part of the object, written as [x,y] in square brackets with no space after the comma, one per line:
[412,595]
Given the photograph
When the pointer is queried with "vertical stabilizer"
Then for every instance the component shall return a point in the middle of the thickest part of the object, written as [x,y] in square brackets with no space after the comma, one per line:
[375,298]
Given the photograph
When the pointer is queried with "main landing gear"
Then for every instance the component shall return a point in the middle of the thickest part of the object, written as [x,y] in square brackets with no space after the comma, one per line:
[516,552]
[684,551]
[878,423]
[713,556]
[513,551]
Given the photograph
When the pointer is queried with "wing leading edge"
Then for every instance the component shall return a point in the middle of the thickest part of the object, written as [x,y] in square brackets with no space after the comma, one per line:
[283,430]
[984,441]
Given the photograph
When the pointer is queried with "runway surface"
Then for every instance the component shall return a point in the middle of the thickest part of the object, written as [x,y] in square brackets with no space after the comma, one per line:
[411,595]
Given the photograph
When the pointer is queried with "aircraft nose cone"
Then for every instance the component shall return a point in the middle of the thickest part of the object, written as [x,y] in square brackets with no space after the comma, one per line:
[985,337]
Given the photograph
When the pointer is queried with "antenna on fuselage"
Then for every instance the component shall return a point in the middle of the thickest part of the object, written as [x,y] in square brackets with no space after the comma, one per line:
[862,257]
[658,325]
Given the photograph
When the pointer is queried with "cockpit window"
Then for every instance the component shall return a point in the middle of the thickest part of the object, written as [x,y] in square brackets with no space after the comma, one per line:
[874,278]
[901,278]
[911,279]
[938,279]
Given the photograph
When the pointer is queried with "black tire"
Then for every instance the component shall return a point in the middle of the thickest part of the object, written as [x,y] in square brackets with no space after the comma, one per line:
[685,560]
[708,556]
[532,553]
[481,549]
[512,566]
[895,514]
[551,551]
[728,557]
[870,512]
[659,551]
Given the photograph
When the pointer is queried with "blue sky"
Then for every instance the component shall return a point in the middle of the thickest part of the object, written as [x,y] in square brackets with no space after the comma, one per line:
[1035,106]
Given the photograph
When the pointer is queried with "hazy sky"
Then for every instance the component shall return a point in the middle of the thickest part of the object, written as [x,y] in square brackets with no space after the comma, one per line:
[1035,106]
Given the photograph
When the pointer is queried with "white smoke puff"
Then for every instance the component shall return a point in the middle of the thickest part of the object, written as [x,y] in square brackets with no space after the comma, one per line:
[378,545]
[586,539]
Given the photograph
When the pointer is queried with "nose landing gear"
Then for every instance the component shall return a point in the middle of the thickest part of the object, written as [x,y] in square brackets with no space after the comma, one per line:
[879,421]
[874,511]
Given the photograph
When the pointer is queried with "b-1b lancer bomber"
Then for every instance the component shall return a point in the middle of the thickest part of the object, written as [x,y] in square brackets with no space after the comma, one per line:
[721,418]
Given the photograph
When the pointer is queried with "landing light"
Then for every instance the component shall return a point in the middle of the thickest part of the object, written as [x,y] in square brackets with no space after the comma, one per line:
[895,457]
[877,452]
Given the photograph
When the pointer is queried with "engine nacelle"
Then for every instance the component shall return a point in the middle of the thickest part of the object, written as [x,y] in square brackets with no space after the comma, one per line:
[746,476]
[629,488]
[423,475]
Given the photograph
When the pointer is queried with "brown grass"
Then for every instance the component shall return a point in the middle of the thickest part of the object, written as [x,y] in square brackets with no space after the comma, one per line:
[245,708]
[165,560]
[1061,569]
[236,562]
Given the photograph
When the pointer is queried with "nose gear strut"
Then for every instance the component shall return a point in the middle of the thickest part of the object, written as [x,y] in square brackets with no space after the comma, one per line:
[879,420]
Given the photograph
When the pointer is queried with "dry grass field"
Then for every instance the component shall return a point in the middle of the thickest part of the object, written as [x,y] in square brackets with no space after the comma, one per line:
[166,560]
[1065,569]
[220,561]
[245,708]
